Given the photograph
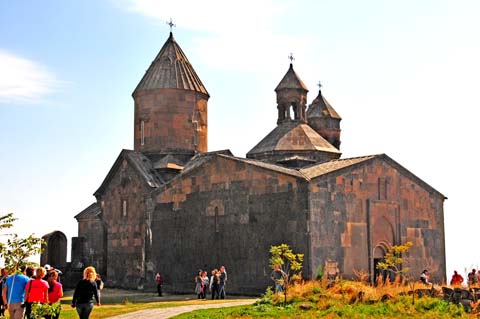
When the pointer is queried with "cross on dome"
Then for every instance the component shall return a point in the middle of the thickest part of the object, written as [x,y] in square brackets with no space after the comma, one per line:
[291,58]
[171,24]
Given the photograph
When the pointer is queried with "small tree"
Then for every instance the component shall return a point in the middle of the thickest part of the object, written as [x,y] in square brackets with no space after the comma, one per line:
[289,262]
[393,260]
[16,250]
[395,263]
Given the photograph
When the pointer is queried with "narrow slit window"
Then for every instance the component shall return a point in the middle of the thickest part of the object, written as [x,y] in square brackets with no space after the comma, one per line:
[382,188]
[195,133]
[124,208]
[142,133]
[216,220]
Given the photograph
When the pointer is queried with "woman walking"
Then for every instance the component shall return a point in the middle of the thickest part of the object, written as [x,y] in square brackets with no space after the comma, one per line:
[55,292]
[84,293]
[36,290]
[198,285]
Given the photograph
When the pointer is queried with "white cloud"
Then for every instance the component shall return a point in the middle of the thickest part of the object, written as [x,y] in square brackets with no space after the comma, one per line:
[23,80]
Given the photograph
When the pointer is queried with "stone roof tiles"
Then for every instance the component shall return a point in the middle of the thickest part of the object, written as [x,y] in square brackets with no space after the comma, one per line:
[171,70]
[291,81]
[141,164]
[333,165]
[91,211]
[269,166]
[145,168]
[293,136]
[168,161]
[321,108]
[307,173]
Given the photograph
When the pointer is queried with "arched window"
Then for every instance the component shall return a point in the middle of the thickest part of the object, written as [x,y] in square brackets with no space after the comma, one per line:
[217,228]
[142,133]
[124,208]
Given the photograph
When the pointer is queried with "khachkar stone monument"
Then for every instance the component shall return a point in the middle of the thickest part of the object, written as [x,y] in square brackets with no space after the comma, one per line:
[55,251]
[171,206]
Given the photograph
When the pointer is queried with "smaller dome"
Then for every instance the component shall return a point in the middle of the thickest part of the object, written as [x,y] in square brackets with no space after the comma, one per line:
[291,81]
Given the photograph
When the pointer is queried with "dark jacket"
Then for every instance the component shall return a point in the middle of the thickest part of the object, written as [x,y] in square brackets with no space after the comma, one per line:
[85,291]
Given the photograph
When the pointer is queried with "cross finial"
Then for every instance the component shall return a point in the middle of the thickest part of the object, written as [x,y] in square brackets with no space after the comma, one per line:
[319,85]
[171,24]
[291,58]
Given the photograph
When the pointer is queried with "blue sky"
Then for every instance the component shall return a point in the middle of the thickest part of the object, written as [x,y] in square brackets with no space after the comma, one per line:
[404,76]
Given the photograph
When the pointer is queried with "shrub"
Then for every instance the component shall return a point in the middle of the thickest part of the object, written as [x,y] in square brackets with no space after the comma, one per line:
[266,298]
[319,272]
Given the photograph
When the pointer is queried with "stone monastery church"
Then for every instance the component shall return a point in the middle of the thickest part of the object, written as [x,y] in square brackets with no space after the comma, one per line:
[172,206]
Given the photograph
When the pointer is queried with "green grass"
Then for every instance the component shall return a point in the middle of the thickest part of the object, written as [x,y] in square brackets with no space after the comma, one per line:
[315,300]
[309,300]
[402,309]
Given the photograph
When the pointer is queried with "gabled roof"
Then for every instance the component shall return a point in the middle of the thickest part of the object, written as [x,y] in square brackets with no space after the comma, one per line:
[291,81]
[307,173]
[338,165]
[203,158]
[140,163]
[321,108]
[171,70]
[168,161]
[91,211]
[268,166]
[333,165]
[293,136]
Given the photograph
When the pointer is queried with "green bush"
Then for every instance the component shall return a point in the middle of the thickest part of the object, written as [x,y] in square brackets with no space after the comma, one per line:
[266,298]
[319,272]
[40,310]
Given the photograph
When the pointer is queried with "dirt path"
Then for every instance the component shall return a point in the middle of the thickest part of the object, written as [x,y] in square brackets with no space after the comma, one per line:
[162,313]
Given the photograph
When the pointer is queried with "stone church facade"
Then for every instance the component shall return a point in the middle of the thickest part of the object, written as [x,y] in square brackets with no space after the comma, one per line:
[171,206]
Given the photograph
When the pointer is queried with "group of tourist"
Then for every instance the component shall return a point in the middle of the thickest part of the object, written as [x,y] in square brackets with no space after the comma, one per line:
[22,289]
[473,278]
[457,279]
[215,284]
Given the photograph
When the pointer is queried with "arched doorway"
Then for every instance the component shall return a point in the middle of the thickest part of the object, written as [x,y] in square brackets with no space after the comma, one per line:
[55,252]
[379,253]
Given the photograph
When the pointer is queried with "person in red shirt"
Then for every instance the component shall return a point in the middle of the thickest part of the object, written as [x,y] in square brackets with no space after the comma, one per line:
[55,291]
[159,281]
[457,279]
[36,290]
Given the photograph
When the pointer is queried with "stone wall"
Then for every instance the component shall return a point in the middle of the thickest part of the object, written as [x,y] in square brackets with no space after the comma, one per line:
[362,211]
[173,120]
[227,212]
[124,205]
[88,249]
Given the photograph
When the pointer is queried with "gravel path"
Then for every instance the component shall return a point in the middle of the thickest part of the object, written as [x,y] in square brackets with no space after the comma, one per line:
[162,313]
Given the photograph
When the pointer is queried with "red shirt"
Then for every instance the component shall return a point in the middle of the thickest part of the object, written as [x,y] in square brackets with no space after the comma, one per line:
[456,279]
[55,294]
[37,289]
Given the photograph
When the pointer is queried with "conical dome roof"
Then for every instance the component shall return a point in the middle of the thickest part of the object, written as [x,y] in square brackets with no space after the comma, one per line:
[293,136]
[291,81]
[321,108]
[171,70]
